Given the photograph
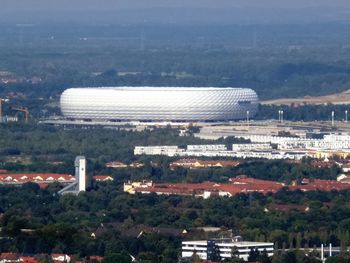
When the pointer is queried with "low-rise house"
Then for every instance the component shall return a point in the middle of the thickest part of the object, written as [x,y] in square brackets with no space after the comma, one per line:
[56,258]
[344,178]
[205,189]
[130,186]
[195,163]
[136,165]
[98,259]
[41,178]
[103,178]
[9,257]
[116,164]
[321,185]
[237,185]
[61,258]
[346,168]
[324,164]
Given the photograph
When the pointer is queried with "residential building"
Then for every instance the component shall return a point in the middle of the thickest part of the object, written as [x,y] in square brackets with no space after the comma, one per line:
[39,178]
[251,146]
[158,150]
[131,186]
[235,186]
[205,189]
[195,163]
[207,147]
[116,164]
[103,178]
[224,248]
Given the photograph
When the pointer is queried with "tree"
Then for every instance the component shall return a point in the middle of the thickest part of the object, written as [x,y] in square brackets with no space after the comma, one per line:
[117,257]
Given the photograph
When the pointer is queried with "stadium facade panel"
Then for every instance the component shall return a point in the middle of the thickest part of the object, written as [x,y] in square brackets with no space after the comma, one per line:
[158,103]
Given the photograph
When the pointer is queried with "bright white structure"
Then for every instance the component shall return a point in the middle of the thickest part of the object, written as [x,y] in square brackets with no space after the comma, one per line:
[207,147]
[218,151]
[158,103]
[80,178]
[251,146]
[329,141]
[206,249]
[80,166]
[158,150]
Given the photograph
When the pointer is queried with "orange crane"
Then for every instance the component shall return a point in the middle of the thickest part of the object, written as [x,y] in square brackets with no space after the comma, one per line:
[24,110]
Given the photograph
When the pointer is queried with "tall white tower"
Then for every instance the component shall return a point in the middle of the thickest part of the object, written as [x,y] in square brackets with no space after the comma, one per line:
[80,172]
[80,182]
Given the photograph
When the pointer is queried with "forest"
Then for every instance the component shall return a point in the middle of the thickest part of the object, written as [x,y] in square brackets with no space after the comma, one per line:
[65,224]
[37,148]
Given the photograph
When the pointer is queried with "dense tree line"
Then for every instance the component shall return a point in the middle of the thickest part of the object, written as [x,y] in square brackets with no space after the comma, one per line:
[303,112]
[34,148]
[65,224]
[288,73]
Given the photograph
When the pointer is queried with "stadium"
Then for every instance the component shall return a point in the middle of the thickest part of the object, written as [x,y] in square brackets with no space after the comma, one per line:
[177,104]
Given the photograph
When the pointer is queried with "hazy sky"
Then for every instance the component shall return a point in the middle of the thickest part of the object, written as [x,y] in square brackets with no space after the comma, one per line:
[168,10]
[22,5]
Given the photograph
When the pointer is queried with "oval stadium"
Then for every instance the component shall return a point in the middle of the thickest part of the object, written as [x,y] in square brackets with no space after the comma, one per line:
[158,104]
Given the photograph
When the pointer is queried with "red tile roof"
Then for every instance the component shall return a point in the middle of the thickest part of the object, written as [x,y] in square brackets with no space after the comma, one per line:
[237,185]
[322,164]
[322,185]
[9,256]
[196,163]
[240,185]
[96,258]
[29,260]
[35,177]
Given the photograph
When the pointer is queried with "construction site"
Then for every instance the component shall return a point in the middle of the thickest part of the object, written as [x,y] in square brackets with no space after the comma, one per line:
[13,113]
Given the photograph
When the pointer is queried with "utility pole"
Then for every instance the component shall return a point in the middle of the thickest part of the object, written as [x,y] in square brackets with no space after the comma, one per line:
[346,116]
[248,118]
[281,116]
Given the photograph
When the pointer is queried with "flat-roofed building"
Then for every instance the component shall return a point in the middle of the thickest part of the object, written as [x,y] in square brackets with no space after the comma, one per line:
[224,248]
[158,150]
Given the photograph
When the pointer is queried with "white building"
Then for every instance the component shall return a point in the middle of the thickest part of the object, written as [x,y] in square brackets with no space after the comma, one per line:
[130,186]
[330,141]
[251,146]
[206,147]
[158,150]
[206,249]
